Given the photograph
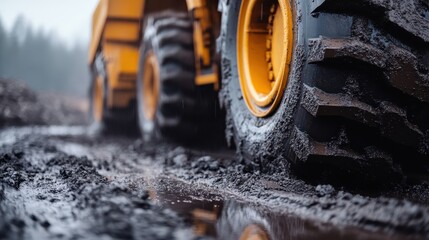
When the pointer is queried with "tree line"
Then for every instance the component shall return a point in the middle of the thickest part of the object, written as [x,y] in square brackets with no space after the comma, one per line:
[42,61]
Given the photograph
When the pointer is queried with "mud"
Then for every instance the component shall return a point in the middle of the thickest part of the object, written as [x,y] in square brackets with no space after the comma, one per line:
[315,202]
[63,183]
[48,194]
[19,106]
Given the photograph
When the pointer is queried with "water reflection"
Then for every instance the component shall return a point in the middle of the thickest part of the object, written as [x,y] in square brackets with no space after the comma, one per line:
[228,219]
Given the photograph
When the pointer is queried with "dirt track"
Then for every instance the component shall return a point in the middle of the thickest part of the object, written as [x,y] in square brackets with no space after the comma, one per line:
[62,182]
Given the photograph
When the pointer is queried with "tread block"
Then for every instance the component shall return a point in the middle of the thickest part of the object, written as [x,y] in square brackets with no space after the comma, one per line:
[403,74]
[179,102]
[320,103]
[414,23]
[337,6]
[401,14]
[399,65]
[395,126]
[178,56]
[390,119]
[324,49]
[173,23]
[372,163]
[175,36]
[178,78]
[309,150]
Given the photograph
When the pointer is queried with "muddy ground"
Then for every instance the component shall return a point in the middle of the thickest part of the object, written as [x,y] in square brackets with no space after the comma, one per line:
[21,106]
[66,180]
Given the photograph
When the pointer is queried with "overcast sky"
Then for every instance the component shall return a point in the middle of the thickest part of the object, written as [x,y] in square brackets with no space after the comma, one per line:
[69,19]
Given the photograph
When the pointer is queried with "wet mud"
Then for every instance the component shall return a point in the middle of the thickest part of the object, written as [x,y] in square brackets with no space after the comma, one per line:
[64,183]
[49,194]
[77,182]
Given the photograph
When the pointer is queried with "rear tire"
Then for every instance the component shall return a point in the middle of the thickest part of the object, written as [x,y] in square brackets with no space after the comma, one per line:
[356,104]
[96,98]
[101,118]
[179,110]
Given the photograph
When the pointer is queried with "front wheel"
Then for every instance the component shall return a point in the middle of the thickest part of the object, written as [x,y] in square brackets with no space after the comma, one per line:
[306,84]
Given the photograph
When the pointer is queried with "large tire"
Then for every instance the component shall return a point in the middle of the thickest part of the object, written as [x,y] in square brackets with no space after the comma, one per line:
[356,104]
[97,98]
[182,110]
[107,120]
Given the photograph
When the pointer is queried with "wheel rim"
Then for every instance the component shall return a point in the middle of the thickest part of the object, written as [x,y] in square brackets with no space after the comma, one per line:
[98,98]
[150,86]
[254,232]
[264,52]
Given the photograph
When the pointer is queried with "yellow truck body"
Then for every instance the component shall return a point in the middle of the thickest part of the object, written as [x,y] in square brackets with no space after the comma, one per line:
[116,33]
[116,30]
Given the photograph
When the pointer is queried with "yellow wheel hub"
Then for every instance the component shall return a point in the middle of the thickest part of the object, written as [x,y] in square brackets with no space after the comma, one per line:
[150,86]
[264,53]
[254,232]
[98,99]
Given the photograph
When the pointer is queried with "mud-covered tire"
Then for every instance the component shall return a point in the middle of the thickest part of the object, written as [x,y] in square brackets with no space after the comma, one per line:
[91,99]
[356,104]
[183,109]
[112,120]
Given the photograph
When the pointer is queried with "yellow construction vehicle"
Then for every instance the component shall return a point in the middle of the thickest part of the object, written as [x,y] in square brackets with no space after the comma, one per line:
[328,86]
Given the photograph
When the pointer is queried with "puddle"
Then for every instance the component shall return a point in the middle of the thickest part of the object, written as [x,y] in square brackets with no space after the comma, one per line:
[229,219]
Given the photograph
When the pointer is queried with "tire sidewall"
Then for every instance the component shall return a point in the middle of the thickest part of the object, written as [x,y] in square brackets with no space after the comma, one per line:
[91,97]
[94,74]
[261,137]
[147,127]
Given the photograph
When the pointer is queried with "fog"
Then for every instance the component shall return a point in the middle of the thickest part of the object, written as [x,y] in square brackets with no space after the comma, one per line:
[44,44]
[41,60]
[69,20]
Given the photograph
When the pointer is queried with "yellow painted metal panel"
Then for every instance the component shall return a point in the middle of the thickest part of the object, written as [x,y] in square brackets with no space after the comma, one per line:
[128,60]
[122,62]
[108,10]
[129,9]
[192,4]
[205,66]
[98,20]
[122,58]
[122,31]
